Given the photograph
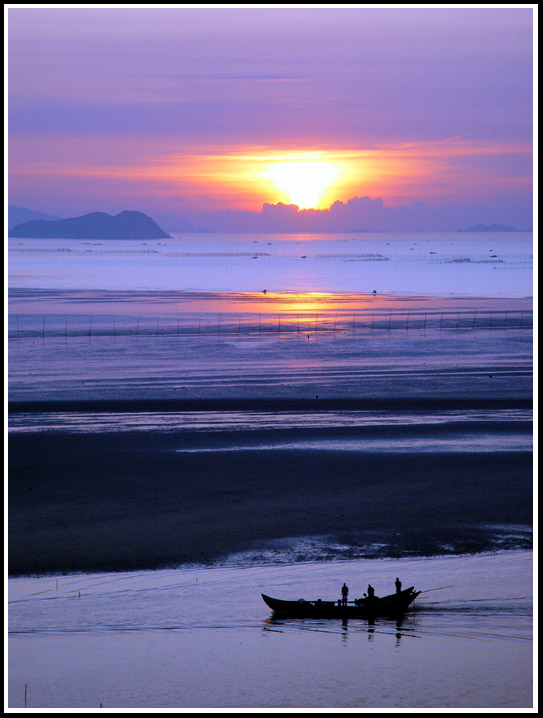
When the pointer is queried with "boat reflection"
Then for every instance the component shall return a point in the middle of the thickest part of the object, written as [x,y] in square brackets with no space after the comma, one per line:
[371,626]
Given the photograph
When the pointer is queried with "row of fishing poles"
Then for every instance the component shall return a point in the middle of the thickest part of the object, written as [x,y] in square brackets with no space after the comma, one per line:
[490,320]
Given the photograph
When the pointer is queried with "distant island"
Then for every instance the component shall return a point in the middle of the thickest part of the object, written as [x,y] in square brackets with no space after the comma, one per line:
[489,228]
[96,225]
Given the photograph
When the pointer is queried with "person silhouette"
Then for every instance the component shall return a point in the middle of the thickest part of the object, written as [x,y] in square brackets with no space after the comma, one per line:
[344,594]
[398,585]
[371,591]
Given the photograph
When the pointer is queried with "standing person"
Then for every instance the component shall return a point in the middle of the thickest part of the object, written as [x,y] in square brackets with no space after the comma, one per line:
[344,594]
[371,591]
[398,585]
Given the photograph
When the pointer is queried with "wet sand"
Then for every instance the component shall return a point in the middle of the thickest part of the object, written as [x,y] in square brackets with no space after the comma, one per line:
[120,501]
[268,404]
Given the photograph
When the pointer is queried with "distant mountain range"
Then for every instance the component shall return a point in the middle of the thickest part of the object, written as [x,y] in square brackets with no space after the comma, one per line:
[359,215]
[17,215]
[489,228]
[96,225]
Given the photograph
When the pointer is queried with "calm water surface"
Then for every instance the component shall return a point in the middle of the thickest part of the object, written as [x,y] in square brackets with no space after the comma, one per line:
[429,263]
[202,637]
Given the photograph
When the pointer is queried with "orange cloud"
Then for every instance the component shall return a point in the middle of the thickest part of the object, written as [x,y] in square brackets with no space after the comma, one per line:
[246,178]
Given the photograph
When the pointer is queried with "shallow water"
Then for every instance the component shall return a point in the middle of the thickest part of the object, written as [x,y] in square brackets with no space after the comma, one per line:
[379,363]
[202,637]
[213,421]
[430,263]
[194,316]
[413,431]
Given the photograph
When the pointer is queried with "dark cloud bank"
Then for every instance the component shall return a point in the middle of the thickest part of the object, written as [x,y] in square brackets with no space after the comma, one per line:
[356,215]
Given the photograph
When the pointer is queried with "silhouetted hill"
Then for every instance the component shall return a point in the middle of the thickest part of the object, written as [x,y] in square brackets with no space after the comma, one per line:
[489,228]
[17,215]
[96,225]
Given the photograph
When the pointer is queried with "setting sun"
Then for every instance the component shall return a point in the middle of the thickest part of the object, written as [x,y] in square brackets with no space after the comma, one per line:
[303,182]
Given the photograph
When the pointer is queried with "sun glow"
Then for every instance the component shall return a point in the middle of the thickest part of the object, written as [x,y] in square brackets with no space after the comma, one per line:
[246,178]
[303,182]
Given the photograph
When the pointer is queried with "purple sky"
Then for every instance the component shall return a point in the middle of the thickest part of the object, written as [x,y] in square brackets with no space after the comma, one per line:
[165,110]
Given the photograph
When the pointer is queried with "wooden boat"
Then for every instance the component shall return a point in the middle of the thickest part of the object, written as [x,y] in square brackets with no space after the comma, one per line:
[387,606]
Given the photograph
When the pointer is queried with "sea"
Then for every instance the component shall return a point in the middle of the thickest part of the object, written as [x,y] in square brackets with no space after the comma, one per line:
[261,347]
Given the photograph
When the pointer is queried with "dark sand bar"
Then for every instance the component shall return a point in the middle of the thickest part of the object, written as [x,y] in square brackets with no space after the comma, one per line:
[268,404]
[124,501]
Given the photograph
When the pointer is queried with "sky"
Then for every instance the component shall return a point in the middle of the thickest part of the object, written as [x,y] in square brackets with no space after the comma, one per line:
[218,117]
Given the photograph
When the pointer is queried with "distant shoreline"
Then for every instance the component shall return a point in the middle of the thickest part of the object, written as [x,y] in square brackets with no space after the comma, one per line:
[286,233]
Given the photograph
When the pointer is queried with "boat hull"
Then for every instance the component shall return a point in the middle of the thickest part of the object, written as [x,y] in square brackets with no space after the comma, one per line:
[391,606]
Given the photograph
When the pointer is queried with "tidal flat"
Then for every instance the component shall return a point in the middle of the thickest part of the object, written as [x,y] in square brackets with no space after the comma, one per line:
[278,428]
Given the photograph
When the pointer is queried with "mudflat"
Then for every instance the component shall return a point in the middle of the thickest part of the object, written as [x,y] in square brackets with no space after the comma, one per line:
[134,500]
